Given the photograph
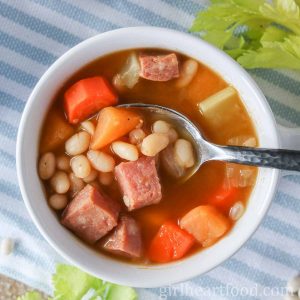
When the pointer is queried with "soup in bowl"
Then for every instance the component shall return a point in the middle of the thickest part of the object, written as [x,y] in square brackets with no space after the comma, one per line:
[105,185]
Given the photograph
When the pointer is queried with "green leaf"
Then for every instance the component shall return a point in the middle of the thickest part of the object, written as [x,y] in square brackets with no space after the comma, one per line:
[31,296]
[251,6]
[221,15]
[235,53]
[292,45]
[256,29]
[205,22]
[235,42]
[288,8]
[257,33]
[272,34]
[284,12]
[218,37]
[117,292]
[70,283]
[269,58]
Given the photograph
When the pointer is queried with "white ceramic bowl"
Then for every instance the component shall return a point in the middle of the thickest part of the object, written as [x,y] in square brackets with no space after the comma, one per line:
[27,154]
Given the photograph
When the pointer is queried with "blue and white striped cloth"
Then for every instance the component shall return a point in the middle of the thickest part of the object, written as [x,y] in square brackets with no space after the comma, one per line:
[33,34]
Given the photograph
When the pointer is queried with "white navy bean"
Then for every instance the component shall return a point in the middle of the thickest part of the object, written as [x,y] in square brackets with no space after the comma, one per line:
[46,166]
[154,143]
[183,151]
[58,201]
[125,150]
[77,143]
[101,161]
[80,166]
[88,126]
[236,211]
[60,182]
[6,246]
[136,136]
[187,73]
[173,135]
[63,163]
[161,126]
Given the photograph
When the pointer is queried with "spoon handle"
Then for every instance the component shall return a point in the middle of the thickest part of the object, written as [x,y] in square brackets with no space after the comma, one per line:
[272,158]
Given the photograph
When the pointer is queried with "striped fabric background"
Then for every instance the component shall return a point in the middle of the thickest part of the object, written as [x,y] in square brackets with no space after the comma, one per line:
[33,34]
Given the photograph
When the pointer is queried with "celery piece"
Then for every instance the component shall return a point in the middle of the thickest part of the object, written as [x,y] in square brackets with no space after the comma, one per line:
[221,108]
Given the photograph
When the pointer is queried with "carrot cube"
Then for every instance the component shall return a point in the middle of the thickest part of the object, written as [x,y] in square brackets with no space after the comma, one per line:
[86,97]
[170,243]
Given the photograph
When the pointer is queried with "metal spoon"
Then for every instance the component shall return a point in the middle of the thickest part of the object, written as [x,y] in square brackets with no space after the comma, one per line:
[206,151]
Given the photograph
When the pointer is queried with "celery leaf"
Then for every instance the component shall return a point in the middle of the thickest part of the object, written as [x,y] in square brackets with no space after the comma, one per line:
[30,296]
[257,33]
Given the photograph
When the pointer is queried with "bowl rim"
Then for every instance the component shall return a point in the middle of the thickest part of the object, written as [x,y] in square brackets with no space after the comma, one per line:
[134,269]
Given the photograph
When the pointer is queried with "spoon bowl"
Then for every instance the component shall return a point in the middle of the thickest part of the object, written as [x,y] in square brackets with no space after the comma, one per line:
[187,128]
[206,151]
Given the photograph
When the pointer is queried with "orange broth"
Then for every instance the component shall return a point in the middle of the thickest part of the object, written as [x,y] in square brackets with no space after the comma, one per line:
[177,199]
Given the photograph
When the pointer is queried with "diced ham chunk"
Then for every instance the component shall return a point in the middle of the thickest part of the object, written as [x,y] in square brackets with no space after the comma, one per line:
[91,214]
[159,67]
[139,182]
[126,239]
